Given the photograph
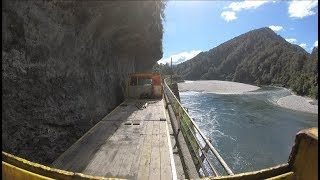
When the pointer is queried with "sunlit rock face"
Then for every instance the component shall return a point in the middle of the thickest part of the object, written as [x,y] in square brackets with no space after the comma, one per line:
[64,67]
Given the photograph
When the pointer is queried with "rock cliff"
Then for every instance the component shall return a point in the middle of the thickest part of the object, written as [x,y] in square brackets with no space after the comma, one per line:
[64,67]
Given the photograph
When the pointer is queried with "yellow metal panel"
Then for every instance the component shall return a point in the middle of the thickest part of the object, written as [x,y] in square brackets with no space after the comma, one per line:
[24,169]
[12,172]
[260,174]
[286,176]
[304,158]
[35,167]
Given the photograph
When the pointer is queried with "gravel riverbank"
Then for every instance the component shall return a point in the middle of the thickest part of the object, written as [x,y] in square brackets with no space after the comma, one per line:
[215,86]
[293,102]
[299,103]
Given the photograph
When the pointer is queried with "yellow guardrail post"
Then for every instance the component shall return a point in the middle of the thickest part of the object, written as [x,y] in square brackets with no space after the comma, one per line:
[304,155]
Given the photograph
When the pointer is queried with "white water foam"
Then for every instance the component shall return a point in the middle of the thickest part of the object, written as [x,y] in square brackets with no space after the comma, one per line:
[272,95]
[221,134]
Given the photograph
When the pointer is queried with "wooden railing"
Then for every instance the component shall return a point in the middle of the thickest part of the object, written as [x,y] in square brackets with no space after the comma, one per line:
[199,145]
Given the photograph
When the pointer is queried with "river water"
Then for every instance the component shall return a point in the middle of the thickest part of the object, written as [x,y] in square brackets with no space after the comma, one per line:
[248,130]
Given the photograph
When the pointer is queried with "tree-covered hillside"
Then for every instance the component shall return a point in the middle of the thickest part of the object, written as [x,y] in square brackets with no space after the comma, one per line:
[259,57]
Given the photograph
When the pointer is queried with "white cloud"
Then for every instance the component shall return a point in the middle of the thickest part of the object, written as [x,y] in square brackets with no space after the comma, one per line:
[234,7]
[303,45]
[179,58]
[315,44]
[248,4]
[291,40]
[228,15]
[300,9]
[276,28]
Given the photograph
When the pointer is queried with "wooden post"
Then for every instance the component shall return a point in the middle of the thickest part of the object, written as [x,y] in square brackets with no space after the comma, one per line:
[205,149]
[171,72]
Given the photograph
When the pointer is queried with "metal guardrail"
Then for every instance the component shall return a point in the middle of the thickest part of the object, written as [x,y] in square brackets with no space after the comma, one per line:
[199,145]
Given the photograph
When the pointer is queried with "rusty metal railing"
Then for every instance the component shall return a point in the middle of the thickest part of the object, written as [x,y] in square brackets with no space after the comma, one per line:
[199,145]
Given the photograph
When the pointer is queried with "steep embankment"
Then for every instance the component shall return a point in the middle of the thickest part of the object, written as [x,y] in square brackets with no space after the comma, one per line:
[258,57]
[64,66]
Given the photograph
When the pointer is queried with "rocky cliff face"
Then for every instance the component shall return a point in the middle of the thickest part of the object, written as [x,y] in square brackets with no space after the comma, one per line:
[64,67]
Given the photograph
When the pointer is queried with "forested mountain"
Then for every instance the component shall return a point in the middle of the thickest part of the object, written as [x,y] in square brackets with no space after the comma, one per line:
[259,57]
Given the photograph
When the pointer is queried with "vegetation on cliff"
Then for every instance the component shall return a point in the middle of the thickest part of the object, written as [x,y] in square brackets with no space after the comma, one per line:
[166,72]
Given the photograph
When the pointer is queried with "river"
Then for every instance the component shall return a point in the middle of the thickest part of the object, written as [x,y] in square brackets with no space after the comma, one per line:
[248,130]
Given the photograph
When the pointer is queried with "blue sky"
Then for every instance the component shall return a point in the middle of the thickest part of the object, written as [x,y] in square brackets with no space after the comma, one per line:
[194,26]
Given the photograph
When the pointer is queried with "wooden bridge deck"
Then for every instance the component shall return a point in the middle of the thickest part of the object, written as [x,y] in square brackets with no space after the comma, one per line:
[131,142]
